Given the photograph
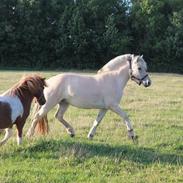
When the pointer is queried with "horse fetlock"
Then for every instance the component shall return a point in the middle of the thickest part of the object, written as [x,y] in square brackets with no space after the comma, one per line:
[19,140]
[70,131]
[90,136]
[131,134]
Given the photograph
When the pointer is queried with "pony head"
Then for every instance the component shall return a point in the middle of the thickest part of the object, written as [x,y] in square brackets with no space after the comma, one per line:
[35,85]
[138,70]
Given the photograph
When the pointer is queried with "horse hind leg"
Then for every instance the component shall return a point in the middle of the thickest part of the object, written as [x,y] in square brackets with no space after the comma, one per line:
[63,106]
[96,123]
[8,134]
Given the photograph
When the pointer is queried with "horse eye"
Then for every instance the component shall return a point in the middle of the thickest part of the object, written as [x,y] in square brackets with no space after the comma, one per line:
[139,69]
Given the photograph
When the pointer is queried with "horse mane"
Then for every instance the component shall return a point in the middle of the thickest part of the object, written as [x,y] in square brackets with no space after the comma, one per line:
[32,83]
[114,63]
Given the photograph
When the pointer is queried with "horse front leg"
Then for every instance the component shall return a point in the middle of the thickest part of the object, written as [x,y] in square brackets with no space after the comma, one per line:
[63,106]
[96,123]
[19,125]
[8,134]
[127,122]
[37,118]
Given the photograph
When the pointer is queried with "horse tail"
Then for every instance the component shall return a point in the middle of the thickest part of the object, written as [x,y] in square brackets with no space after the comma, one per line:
[42,126]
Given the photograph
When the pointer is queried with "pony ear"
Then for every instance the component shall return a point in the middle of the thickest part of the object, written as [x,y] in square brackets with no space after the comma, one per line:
[141,56]
[44,81]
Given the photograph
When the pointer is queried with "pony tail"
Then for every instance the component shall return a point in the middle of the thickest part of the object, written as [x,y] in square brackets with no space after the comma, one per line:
[42,126]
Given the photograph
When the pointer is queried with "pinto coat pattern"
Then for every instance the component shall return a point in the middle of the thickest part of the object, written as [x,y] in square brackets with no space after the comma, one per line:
[15,104]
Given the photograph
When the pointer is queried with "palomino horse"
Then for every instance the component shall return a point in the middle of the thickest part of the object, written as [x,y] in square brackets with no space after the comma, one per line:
[102,91]
[15,104]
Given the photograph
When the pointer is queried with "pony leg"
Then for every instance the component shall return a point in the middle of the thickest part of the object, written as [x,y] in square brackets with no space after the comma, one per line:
[96,123]
[8,134]
[63,106]
[127,122]
[19,132]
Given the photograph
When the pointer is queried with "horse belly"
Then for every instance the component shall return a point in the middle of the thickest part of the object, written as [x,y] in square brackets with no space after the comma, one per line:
[5,115]
[86,103]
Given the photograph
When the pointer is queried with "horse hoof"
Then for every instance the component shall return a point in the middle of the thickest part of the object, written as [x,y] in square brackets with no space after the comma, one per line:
[135,139]
[90,136]
[72,135]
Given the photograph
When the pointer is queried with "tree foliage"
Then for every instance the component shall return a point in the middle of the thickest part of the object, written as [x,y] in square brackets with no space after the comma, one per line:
[87,33]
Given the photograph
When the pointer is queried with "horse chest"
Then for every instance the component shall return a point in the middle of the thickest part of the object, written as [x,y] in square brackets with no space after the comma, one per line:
[11,108]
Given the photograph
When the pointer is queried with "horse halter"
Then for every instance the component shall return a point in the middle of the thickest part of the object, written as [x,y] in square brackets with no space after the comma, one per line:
[132,77]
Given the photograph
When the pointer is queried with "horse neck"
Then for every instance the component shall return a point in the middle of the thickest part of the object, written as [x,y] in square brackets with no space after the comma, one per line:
[123,75]
[26,98]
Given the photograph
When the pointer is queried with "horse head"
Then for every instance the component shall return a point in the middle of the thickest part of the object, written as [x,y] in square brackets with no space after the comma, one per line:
[138,70]
[35,84]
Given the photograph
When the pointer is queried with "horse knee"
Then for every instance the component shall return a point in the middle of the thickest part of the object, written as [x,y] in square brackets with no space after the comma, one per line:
[59,115]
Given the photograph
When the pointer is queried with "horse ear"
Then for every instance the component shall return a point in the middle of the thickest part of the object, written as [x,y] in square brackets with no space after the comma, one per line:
[44,81]
[129,58]
[141,56]
[132,56]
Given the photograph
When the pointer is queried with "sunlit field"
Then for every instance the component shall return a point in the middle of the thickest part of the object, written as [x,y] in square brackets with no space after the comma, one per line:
[156,113]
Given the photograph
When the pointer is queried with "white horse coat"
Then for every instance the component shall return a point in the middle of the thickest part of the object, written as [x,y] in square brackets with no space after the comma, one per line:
[101,91]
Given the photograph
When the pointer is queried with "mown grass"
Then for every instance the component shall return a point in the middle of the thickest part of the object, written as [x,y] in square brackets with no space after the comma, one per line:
[156,113]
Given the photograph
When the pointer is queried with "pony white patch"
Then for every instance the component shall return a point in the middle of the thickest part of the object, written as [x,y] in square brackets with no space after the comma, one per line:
[15,104]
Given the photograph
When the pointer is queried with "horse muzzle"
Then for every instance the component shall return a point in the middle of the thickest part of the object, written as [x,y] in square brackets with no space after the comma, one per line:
[146,82]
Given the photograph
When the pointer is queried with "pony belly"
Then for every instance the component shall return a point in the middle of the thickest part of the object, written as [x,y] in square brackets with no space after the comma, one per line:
[5,115]
[15,105]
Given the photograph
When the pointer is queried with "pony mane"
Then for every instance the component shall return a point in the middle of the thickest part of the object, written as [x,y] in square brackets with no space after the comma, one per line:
[33,83]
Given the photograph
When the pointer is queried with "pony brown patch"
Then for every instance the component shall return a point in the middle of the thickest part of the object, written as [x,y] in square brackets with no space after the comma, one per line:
[5,113]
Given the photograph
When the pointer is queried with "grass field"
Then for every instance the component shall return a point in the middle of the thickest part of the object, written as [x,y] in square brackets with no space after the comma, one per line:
[157,116]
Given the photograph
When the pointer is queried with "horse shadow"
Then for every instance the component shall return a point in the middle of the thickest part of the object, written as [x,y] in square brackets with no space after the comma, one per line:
[55,149]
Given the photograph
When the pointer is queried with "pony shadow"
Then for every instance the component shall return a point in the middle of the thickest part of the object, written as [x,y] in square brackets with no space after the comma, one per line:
[55,149]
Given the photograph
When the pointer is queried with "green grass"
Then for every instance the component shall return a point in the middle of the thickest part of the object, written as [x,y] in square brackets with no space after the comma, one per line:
[157,116]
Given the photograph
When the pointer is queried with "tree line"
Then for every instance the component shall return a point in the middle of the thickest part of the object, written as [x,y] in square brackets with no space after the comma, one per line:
[85,34]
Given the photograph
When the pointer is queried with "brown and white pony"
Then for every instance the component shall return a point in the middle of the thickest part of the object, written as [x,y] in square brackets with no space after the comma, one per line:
[15,104]
[102,91]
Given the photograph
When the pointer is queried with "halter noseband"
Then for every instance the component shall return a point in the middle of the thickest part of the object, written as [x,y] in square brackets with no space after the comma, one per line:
[132,77]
